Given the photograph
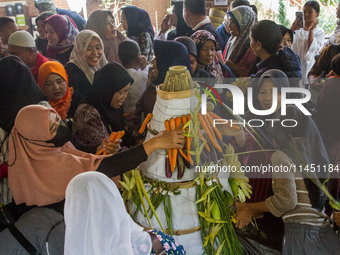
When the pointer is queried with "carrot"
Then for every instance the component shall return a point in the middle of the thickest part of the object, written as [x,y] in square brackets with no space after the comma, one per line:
[104,153]
[145,122]
[174,151]
[188,142]
[113,136]
[204,141]
[184,120]
[207,130]
[213,115]
[211,121]
[120,134]
[186,157]
[208,125]
[178,122]
[126,114]
[172,124]
[100,152]
[167,128]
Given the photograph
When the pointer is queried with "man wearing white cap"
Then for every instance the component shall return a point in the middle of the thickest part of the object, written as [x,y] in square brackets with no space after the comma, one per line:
[22,44]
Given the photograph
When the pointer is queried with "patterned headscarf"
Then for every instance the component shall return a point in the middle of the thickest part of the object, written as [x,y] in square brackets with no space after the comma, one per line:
[77,57]
[200,37]
[63,105]
[244,17]
[65,28]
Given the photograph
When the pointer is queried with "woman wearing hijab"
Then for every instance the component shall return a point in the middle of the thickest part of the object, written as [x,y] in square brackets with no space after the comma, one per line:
[53,81]
[41,41]
[86,58]
[103,23]
[42,161]
[102,109]
[18,89]
[207,59]
[93,198]
[192,50]
[60,32]
[298,201]
[328,122]
[167,54]
[137,24]
[238,55]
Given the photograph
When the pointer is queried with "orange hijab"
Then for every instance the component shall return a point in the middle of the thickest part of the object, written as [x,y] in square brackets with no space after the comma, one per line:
[62,105]
[39,172]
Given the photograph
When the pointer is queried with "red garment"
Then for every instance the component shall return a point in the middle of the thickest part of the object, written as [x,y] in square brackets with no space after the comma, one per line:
[3,170]
[38,62]
[246,62]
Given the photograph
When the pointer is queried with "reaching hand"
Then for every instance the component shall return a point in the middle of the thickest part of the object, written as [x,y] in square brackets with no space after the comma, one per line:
[111,147]
[165,140]
[244,214]
[170,139]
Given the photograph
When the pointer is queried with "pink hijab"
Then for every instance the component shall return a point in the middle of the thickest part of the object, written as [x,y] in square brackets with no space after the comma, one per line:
[39,172]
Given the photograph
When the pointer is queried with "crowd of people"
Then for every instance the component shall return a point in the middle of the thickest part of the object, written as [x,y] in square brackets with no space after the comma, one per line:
[63,94]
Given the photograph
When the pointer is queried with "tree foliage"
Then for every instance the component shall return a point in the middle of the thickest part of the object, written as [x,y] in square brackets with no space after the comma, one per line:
[282,14]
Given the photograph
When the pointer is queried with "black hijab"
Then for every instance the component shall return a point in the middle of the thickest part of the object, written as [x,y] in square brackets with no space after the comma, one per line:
[138,21]
[169,53]
[302,143]
[18,89]
[107,81]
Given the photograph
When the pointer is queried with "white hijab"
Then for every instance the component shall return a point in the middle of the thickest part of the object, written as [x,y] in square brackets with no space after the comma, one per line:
[77,56]
[96,219]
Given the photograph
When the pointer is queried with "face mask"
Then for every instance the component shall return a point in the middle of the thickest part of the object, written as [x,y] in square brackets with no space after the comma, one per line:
[63,136]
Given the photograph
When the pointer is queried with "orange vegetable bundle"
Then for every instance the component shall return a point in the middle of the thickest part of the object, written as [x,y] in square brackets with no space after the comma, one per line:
[172,156]
[113,137]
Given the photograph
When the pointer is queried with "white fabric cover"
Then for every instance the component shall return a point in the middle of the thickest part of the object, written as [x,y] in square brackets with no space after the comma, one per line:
[96,219]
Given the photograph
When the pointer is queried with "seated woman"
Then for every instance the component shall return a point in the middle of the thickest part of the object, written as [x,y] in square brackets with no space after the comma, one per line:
[86,58]
[192,50]
[18,89]
[328,122]
[287,36]
[309,39]
[60,32]
[102,109]
[53,81]
[103,23]
[207,59]
[137,24]
[167,54]
[41,41]
[114,230]
[298,201]
[238,54]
